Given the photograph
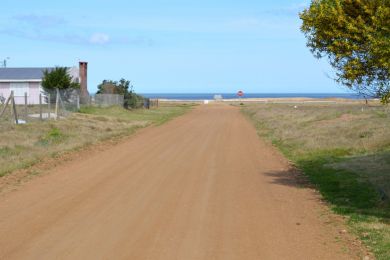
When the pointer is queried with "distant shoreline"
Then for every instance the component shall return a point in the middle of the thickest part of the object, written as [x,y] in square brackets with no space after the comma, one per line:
[273,100]
[250,96]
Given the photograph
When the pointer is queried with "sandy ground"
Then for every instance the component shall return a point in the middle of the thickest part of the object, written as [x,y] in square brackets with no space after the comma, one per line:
[202,186]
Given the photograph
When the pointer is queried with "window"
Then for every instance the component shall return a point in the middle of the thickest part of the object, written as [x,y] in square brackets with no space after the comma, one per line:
[19,89]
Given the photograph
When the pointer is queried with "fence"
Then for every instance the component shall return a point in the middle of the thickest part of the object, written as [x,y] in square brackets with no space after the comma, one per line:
[57,104]
[106,100]
[146,103]
[50,105]
[150,103]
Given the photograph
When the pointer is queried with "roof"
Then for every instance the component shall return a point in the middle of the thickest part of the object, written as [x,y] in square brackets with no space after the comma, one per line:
[22,73]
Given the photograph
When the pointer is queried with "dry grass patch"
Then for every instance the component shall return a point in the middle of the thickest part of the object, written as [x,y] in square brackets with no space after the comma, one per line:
[24,145]
[344,149]
[312,127]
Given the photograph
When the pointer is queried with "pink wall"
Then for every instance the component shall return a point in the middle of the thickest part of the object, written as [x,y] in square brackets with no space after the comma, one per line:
[4,89]
[32,98]
[34,93]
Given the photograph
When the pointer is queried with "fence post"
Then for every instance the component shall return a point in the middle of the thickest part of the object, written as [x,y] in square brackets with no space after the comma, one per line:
[11,108]
[57,101]
[6,104]
[49,105]
[25,106]
[78,102]
[14,108]
[40,106]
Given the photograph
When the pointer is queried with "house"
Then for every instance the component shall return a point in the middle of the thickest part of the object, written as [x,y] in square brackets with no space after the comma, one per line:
[28,80]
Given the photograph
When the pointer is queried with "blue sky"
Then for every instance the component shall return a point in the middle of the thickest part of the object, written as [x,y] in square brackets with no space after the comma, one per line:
[169,45]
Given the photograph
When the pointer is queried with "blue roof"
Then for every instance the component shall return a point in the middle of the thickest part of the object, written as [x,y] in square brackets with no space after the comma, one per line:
[22,73]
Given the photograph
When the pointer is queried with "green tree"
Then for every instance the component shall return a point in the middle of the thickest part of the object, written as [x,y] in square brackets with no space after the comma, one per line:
[58,79]
[355,36]
[107,87]
[122,87]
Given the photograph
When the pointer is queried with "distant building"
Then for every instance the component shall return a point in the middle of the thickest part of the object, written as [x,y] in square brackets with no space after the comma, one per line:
[218,97]
[28,80]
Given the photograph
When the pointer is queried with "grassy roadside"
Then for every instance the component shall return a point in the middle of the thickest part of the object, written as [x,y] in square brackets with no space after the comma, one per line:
[22,146]
[344,150]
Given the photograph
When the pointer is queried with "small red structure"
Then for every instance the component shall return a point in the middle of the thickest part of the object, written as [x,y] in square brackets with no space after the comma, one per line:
[240,93]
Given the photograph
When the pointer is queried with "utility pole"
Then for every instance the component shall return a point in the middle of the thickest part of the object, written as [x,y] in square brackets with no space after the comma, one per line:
[5,62]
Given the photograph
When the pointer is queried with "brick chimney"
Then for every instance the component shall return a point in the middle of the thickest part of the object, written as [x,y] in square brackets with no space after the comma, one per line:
[83,70]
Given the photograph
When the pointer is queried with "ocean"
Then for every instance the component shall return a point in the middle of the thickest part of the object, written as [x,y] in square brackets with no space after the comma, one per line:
[210,96]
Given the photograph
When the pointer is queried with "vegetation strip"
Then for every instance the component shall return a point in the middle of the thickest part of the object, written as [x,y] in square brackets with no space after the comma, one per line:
[25,145]
[332,144]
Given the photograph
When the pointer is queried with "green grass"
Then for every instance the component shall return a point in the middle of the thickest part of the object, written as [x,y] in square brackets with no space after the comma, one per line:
[52,137]
[344,152]
[152,116]
[22,146]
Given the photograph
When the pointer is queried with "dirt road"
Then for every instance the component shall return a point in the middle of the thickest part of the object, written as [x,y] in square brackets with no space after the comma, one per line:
[202,186]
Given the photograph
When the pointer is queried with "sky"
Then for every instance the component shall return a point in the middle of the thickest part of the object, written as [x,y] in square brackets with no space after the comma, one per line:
[169,46]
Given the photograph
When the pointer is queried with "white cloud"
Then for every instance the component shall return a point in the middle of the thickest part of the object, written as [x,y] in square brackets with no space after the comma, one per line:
[99,38]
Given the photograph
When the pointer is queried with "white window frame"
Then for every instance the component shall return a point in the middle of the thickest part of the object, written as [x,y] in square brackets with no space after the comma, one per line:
[19,88]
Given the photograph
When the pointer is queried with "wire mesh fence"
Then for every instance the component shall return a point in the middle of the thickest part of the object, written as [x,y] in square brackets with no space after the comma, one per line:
[57,104]
[137,103]
[48,105]
[150,103]
[106,100]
